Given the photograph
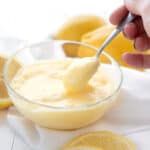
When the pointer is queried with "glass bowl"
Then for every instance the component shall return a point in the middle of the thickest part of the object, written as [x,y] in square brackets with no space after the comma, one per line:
[64,118]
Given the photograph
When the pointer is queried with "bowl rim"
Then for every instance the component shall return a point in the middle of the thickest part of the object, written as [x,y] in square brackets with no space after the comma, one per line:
[9,87]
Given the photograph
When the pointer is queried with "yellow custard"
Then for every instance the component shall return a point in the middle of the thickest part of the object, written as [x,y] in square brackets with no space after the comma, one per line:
[43,83]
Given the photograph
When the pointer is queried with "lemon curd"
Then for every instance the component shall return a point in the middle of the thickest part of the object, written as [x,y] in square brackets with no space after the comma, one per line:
[78,74]
[51,105]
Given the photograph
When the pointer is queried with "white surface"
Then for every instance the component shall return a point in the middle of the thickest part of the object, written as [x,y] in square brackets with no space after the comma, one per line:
[6,136]
[141,139]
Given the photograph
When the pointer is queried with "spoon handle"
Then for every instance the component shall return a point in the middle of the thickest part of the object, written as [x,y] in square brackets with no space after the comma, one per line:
[129,18]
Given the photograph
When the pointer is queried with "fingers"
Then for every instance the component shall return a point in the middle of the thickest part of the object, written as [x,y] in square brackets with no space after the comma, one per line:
[118,14]
[134,29]
[142,42]
[133,5]
[130,31]
[139,25]
[137,60]
[146,22]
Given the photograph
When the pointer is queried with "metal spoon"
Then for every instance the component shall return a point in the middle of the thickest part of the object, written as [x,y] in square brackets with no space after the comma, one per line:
[129,18]
[80,72]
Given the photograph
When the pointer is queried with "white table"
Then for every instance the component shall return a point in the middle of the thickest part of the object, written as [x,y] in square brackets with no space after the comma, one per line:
[9,141]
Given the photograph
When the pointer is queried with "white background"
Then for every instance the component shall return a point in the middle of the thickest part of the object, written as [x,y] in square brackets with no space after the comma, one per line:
[35,19]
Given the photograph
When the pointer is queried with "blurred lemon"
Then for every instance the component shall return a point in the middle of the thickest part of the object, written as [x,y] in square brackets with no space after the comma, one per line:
[102,140]
[75,27]
[116,48]
[84,148]
[5,101]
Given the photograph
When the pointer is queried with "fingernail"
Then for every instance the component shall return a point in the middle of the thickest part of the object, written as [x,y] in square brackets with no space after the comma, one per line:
[134,45]
[124,31]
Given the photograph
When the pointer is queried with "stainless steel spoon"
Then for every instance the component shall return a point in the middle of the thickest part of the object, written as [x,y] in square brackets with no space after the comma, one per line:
[129,18]
[80,72]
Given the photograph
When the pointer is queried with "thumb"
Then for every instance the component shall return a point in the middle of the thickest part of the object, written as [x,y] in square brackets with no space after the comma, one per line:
[146,20]
[137,60]
[141,8]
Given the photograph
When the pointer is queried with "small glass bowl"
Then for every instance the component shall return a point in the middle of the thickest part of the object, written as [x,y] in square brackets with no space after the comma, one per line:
[64,118]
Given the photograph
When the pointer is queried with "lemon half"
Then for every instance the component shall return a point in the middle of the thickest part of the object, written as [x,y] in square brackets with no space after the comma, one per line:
[102,140]
[84,148]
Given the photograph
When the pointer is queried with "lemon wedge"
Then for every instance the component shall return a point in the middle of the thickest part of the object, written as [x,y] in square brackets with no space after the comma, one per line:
[5,101]
[102,140]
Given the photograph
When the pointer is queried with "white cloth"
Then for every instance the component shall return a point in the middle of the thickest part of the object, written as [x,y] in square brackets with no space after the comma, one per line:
[132,114]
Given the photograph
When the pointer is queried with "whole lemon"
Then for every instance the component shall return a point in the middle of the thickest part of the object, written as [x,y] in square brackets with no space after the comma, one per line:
[74,28]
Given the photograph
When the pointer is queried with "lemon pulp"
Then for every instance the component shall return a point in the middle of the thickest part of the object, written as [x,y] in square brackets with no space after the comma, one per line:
[104,140]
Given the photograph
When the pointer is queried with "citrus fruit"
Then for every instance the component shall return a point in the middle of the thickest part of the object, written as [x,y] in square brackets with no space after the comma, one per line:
[104,140]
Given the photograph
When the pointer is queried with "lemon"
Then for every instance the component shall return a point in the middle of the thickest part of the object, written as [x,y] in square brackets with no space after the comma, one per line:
[75,27]
[84,148]
[104,140]
[5,101]
[116,48]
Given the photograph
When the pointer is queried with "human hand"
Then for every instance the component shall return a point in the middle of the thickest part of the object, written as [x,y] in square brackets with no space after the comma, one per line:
[138,31]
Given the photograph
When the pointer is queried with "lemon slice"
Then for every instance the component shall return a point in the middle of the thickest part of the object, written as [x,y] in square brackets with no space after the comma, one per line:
[104,140]
[84,148]
[5,102]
